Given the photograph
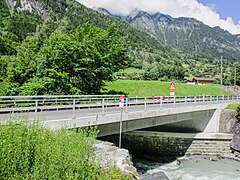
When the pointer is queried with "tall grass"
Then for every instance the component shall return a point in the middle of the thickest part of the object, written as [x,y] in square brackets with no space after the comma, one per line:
[28,151]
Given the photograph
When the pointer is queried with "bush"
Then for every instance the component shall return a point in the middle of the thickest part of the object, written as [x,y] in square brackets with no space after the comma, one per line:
[32,152]
[238,113]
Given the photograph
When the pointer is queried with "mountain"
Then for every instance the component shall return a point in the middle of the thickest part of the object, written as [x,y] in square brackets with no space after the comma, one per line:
[74,14]
[186,34]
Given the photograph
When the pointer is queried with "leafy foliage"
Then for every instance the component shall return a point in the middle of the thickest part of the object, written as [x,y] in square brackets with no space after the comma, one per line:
[29,151]
[238,113]
[67,63]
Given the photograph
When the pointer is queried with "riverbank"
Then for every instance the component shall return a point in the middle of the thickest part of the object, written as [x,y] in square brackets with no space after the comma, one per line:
[108,156]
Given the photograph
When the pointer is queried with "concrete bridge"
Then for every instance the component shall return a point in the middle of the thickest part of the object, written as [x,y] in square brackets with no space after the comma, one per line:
[199,113]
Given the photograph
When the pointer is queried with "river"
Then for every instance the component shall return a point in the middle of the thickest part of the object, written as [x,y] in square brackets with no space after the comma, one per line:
[193,168]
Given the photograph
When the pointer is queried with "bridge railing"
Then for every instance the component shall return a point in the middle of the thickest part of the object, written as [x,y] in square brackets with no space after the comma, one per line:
[104,103]
[30,103]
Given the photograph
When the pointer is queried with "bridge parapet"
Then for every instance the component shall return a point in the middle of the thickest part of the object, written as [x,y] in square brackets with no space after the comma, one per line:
[104,111]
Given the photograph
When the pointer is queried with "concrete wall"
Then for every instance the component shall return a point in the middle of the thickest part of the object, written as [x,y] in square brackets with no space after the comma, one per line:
[197,117]
[159,145]
[196,120]
[154,145]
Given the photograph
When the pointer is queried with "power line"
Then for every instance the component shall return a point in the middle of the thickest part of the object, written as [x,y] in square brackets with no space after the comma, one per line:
[235,76]
[221,71]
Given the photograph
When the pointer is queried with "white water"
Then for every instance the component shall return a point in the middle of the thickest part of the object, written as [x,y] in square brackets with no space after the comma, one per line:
[201,168]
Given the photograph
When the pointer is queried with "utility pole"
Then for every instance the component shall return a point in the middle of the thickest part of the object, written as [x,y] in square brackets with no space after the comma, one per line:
[221,71]
[235,72]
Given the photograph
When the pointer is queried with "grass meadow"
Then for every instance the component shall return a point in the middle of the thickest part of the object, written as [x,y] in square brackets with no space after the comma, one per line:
[143,88]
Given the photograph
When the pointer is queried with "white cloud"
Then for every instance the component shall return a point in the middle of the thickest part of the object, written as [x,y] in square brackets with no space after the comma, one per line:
[175,8]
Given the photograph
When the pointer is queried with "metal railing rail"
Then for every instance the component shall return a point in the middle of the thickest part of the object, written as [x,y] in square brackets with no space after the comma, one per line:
[9,104]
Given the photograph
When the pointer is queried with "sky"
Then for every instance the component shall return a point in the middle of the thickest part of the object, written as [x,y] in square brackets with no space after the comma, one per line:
[223,13]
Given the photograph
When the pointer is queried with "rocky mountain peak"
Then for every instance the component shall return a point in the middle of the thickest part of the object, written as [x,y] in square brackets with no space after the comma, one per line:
[32,6]
[162,17]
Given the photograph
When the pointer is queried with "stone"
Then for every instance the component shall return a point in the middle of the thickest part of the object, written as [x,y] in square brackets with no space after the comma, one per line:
[235,143]
[155,176]
[228,121]
[108,155]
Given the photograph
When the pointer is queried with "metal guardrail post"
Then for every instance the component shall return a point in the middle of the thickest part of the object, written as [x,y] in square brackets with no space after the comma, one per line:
[210,99]
[120,129]
[103,105]
[185,100]
[36,108]
[174,101]
[145,104]
[217,99]
[161,102]
[126,107]
[203,98]
[74,107]
[195,99]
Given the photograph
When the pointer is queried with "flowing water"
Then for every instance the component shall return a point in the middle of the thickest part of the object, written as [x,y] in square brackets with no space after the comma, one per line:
[194,168]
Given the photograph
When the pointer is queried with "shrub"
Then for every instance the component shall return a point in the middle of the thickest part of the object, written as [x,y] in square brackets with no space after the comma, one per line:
[29,151]
[238,113]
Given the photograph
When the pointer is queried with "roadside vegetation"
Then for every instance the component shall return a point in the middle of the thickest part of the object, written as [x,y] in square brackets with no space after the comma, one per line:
[29,151]
[142,88]
[233,106]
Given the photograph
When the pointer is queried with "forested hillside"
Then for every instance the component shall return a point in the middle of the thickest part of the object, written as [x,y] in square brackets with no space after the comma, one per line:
[62,47]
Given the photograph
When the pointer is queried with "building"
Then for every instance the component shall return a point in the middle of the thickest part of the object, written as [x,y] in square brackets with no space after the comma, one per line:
[202,81]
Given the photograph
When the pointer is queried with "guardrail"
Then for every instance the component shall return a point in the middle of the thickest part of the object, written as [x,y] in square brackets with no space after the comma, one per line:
[14,104]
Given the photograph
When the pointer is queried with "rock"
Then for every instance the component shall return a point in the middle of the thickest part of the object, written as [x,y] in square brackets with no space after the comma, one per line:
[155,176]
[235,90]
[228,121]
[235,143]
[178,162]
[212,159]
[108,155]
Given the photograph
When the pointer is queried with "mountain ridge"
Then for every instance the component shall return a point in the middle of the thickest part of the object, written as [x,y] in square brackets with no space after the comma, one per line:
[186,34]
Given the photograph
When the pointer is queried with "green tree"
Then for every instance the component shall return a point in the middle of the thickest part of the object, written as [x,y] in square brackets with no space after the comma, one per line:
[76,63]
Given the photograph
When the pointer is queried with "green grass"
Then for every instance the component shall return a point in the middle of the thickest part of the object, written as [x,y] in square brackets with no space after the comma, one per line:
[233,106]
[130,73]
[29,151]
[156,88]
